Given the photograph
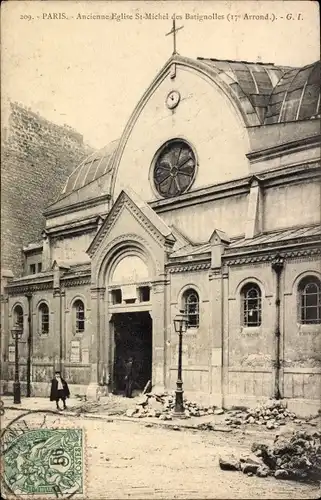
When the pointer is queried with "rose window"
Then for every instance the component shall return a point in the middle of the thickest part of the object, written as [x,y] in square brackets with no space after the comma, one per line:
[174,169]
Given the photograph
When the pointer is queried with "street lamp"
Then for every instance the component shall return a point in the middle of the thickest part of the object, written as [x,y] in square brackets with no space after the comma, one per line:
[16,333]
[180,324]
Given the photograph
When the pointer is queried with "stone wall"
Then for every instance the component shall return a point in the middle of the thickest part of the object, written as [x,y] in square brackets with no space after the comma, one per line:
[37,157]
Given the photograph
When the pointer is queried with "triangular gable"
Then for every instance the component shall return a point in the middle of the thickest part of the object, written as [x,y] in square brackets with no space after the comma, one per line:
[151,218]
[220,235]
[57,264]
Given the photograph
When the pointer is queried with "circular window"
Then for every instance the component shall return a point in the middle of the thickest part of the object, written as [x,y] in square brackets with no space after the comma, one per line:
[174,168]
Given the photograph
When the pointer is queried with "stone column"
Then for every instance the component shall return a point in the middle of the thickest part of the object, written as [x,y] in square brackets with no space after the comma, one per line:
[103,343]
[46,257]
[254,219]
[217,326]
[95,347]
[63,326]
[57,354]
[225,331]
[5,339]
[159,335]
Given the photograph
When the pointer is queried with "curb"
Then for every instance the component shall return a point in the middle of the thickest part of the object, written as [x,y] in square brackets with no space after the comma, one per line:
[150,423]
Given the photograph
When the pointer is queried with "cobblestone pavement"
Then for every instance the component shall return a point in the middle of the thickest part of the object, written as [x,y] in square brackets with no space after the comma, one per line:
[130,460]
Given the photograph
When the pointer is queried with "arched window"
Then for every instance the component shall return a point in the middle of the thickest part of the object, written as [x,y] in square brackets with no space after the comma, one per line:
[43,319]
[18,316]
[191,307]
[310,300]
[79,316]
[251,305]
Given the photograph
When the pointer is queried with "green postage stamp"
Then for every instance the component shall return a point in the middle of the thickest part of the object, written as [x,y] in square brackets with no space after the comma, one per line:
[45,462]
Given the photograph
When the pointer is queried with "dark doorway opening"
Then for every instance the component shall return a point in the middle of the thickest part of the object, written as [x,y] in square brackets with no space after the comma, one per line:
[133,338]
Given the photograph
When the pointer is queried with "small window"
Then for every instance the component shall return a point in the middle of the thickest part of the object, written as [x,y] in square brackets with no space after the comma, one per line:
[32,268]
[79,315]
[310,301]
[116,296]
[39,267]
[144,294]
[251,305]
[191,308]
[43,319]
[18,316]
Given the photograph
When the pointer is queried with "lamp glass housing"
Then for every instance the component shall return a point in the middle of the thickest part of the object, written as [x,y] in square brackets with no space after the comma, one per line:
[180,323]
[17,331]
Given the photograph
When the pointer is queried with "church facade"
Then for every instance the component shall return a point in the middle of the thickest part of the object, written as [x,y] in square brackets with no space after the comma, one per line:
[209,203]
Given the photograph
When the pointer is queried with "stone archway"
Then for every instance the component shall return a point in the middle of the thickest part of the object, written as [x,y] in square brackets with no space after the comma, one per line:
[115,270]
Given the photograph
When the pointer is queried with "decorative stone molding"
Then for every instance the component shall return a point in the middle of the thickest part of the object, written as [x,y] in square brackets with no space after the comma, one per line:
[72,282]
[116,244]
[181,268]
[22,289]
[269,257]
[123,202]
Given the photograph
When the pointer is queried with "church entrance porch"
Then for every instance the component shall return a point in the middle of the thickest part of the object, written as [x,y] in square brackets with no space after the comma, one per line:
[132,339]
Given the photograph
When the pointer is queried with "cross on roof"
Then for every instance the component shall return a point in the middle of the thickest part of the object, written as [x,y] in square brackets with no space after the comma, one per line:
[173,32]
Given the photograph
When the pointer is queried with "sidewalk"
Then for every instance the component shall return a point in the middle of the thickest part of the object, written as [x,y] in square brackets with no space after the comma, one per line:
[34,404]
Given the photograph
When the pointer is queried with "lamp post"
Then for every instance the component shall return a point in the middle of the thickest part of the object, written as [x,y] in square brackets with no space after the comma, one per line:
[16,333]
[180,324]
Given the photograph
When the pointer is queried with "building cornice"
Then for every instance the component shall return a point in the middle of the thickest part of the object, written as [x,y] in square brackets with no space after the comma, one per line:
[270,255]
[292,173]
[22,288]
[188,267]
[218,191]
[34,247]
[285,148]
[79,281]
[75,207]
[73,227]
[294,243]
[259,255]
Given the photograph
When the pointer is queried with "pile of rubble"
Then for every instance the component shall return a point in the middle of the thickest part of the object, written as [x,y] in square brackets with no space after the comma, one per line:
[295,455]
[161,405]
[272,415]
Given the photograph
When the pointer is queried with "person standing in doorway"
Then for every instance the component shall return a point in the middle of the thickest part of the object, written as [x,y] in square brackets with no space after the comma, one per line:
[59,390]
[129,377]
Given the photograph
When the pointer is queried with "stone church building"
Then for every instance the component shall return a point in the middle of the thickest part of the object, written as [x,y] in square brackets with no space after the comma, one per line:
[208,202]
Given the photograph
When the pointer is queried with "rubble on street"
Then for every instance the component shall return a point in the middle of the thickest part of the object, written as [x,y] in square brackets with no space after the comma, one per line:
[272,415]
[162,406]
[293,455]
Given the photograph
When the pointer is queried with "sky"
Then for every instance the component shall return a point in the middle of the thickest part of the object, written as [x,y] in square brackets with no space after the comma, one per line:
[90,73]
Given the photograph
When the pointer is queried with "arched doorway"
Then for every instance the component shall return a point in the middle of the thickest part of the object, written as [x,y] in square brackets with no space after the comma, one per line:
[132,338]
[129,304]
